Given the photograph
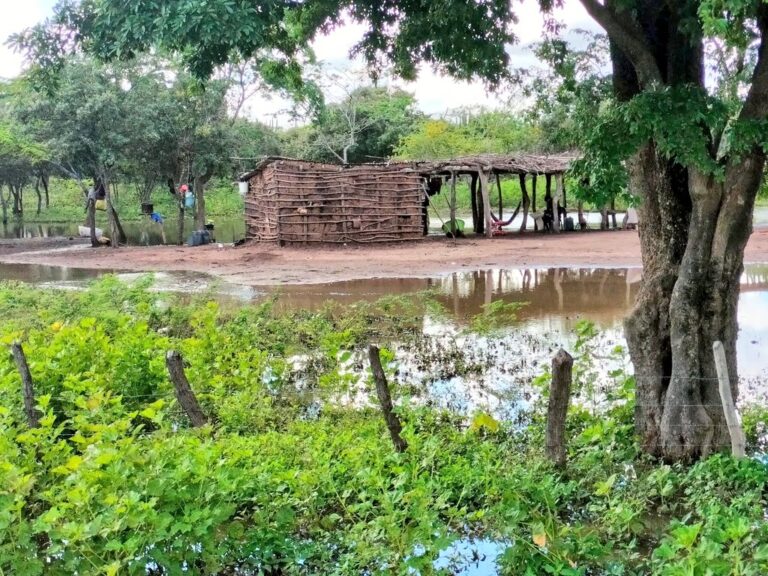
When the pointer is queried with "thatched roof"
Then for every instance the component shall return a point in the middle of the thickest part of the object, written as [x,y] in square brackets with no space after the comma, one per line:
[498,163]
[520,163]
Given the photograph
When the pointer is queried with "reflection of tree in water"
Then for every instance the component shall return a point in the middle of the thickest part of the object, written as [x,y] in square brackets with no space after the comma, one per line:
[603,295]
[755,278]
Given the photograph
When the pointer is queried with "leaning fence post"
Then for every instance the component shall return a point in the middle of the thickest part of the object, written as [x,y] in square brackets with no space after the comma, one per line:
[385,400]
[33,417]
[738,441]
[184,393]
[559,398]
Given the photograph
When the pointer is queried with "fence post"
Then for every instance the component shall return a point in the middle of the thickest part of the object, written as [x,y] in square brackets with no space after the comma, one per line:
[184,393]
[28,390]
[559,398]
[385,400]
[738,441]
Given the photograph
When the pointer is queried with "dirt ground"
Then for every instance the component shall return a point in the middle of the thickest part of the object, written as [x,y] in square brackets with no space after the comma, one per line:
[261,265]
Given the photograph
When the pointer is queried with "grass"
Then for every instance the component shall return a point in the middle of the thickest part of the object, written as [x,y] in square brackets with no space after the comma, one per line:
[67,203]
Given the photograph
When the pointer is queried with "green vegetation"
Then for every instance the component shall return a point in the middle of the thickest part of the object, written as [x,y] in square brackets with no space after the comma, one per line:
[292,480]
[67,202]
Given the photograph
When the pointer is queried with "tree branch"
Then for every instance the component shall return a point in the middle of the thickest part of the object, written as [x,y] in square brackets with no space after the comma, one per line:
[628,36]
[756,104]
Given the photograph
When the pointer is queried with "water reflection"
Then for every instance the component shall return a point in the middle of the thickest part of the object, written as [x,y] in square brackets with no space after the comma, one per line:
[139,232]
[556,299]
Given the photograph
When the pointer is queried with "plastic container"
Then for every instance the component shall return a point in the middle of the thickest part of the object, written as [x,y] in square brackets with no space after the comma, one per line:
[199,238]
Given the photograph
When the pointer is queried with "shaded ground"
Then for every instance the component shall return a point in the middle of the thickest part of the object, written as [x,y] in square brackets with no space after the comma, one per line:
[270,265]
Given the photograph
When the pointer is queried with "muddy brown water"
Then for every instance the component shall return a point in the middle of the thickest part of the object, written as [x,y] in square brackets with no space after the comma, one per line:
[555,299]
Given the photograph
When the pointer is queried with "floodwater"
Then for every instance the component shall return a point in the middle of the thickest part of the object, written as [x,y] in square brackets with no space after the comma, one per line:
[139,232]
[554,299]
[495,370]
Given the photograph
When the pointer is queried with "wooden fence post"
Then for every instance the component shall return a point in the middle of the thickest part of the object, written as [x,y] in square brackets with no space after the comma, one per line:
[559,398]
[28,390]
[738,441]
[385,400]
[184,393]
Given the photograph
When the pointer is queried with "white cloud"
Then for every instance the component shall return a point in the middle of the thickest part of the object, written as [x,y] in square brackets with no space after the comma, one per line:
[18,15]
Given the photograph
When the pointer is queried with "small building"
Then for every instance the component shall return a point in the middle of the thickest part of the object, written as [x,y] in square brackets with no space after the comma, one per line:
[295,201]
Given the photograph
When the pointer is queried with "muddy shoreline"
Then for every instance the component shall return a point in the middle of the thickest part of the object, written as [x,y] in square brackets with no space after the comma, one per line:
[269,265]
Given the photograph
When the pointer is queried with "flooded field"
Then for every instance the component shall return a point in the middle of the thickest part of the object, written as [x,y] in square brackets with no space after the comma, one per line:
[140,233]
[465,371]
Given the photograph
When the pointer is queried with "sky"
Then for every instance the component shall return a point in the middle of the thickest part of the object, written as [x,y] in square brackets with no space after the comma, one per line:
[435,94]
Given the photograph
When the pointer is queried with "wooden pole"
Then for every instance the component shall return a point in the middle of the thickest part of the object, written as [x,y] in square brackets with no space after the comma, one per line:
[385,400]
[473,199]
[28,390]
[738,441]
[184,393]
[526,203]
[555,199]
[453,205]
[486,203]
[501,201]
[559,398]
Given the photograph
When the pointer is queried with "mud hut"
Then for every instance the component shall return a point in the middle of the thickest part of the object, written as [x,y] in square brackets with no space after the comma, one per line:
[293,201]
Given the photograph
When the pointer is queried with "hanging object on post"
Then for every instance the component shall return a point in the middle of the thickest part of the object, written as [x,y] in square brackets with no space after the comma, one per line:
[101,205]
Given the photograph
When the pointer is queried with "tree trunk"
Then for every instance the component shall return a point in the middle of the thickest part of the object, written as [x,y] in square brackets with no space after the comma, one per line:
[526,203]
[44,179]
[114,235]
[39,196]
[181,221]
[90,221]
[17,207]
[4,202]
[200,182]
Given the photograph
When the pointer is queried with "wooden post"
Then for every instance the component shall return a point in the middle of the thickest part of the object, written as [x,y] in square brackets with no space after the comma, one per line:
[385,400]
[486,203]
[559,398]
[738,441]
[453,205]
[28,390]
[526,202]
[184,393]
[555,199]
[501,201]
[473,199]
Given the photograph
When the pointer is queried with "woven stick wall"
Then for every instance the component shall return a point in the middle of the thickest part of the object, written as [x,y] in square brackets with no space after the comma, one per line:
[290,201]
